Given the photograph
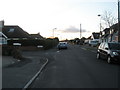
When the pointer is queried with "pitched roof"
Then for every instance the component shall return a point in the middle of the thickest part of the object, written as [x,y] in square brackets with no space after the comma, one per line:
[96,35]
[115,27]
[15,32]
[36,36]
[106,29]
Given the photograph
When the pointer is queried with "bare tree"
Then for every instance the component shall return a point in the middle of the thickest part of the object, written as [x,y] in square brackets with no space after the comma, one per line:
[108,20]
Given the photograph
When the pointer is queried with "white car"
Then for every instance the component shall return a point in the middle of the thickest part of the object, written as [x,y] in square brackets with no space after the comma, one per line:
[93,43]
[62,45]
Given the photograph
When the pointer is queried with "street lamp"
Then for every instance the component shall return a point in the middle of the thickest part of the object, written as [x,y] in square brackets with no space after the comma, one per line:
[100,29]
[100,20]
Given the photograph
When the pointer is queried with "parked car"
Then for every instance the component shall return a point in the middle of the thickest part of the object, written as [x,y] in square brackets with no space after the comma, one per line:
[93,43]
[109,51]
[62,45]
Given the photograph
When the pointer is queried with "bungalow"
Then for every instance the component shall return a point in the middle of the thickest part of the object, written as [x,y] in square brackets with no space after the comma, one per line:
[37,36]
[15,33]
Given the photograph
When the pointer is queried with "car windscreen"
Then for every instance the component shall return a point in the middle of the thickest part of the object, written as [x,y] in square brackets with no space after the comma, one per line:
[114,46]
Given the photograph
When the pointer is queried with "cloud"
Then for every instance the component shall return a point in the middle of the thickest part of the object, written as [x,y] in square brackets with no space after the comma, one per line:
[73,29]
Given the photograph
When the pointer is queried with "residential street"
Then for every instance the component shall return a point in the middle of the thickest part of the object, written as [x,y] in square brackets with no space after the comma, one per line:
[77,67]
[60,44]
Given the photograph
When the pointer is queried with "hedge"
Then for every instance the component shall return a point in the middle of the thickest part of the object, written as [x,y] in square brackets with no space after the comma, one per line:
[46,43]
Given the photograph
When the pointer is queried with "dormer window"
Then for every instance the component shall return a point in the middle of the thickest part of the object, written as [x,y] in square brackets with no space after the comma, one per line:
[11,30]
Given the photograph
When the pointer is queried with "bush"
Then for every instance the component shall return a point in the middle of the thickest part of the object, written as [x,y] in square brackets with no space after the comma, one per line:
[16,53]
[12,51]
[7,50]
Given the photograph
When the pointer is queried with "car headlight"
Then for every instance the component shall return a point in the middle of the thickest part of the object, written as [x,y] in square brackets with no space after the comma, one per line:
[115,53]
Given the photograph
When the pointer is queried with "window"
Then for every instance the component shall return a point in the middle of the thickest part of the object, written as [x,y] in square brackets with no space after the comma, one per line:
[11,30]
[106,45]
[102,45]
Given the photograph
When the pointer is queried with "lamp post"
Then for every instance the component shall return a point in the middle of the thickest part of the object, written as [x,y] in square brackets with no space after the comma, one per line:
[100,20]
[100,29]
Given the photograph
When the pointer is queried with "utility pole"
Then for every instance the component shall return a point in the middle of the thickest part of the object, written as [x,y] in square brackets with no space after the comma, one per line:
[80,32]
[118,21]
[54,31]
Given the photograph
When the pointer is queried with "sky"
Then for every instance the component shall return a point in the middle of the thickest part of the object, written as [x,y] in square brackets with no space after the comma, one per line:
[61,16]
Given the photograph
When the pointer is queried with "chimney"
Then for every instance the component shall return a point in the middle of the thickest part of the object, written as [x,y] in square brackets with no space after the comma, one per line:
[1,25]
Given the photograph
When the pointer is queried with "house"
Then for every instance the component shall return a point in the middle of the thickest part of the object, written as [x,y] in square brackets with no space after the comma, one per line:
[94,41]
[110,34]
[114,33]
[95,36]
[37,36]
[15,32]
[105,35]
